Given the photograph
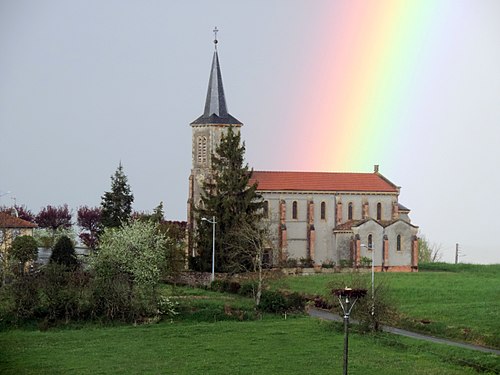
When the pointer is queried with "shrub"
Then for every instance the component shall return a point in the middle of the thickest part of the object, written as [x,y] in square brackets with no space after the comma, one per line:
[291,263]
[277,302]
[248,289]
[64,253]
[306,262]
[272,301]
[365,262]
[295,302]
[328,263]
[24,291]
[346,263]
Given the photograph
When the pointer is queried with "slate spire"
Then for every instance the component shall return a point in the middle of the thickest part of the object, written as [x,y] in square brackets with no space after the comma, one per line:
[215,105]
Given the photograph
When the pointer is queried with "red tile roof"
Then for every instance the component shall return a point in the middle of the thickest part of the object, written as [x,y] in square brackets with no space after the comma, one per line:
[322,181]
[8,221]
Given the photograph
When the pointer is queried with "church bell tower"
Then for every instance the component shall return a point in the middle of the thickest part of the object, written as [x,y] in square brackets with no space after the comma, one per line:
[207,131]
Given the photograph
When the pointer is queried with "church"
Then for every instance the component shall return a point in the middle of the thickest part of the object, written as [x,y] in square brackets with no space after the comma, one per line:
[344,219]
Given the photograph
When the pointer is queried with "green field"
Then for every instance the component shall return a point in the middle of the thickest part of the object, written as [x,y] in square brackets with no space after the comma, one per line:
[270,346]
[460,302]
[219,333]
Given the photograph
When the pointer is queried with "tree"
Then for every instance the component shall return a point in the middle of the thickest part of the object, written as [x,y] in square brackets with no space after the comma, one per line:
[24,249]
[117,204]
[89,219]
[54,218]
[127,271]
[428,252]
[228,197]
[246,246]
[64,253]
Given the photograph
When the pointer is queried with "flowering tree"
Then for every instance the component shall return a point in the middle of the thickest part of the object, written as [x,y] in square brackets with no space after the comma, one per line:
[127,271]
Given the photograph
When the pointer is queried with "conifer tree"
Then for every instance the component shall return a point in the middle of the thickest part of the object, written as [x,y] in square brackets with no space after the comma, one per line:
[228,197]
[64,253]
[117,204]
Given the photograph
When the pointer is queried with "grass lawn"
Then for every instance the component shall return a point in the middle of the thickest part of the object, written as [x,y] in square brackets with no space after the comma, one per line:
[298,345]
[460,302]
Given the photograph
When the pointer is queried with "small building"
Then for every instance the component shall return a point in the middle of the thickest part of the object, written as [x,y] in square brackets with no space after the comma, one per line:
[11,227]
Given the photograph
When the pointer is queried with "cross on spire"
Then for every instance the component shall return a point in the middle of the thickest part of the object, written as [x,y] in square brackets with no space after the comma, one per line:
[215,36]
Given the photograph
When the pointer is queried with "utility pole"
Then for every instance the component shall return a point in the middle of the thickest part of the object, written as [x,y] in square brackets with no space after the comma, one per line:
[456,254]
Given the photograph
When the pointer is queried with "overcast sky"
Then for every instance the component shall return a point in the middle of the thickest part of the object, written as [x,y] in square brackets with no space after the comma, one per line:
[87,84]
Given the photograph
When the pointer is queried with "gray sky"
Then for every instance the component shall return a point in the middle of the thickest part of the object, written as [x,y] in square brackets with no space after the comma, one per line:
[87,84]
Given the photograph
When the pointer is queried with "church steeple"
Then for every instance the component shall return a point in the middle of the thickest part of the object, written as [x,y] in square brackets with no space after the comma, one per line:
[215,105]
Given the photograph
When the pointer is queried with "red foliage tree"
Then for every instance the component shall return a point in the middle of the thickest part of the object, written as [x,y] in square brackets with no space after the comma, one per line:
[54,217]
[89,219]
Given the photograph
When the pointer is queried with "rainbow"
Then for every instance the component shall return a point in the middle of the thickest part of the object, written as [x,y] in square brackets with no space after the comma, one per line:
[368,57]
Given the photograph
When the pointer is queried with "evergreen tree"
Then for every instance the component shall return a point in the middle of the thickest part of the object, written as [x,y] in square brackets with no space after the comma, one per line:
[64,253]
[117,204]
[228,197]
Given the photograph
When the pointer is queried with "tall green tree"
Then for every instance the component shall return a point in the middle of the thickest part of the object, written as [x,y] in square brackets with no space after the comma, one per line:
[228,197]
[117,204]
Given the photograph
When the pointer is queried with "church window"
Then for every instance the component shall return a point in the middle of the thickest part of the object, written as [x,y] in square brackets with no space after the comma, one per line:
[349,211]
[294,210]
[265,212]
[398,242]
[323,211]
[379,211]
[202,149]
[370,242]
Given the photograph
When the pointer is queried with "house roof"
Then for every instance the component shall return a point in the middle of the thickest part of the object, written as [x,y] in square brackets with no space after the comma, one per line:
[322,181]
[9,221]
[215,105]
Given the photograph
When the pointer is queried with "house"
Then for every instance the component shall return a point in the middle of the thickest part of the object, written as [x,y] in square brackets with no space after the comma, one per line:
[11,227]
[344,218]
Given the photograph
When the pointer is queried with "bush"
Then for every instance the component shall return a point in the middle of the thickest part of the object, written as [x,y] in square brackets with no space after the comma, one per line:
[328,263]
[306,262]
[272,301]
[225,286]
[291,263]
[277,302]
[371,313]
[24,291]
[345,263]
[365,262]
[248,289]
[64,253]
[65,293]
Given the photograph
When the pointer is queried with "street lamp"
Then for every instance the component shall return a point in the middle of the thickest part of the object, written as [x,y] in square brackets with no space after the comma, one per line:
[349,297]
[213,222]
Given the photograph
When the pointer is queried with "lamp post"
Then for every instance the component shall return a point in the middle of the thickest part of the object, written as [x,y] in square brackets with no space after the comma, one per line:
[349,297]
[213,222]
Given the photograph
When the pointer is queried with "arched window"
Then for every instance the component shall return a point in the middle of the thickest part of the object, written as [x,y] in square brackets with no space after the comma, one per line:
[370,242]
[379,211]
[323,210]
[349,211]
[294,210]
[265,211]
[398,242]
[202,149]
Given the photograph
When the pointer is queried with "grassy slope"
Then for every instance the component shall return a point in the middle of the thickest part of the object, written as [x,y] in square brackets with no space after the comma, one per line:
[462,302]
[271,346]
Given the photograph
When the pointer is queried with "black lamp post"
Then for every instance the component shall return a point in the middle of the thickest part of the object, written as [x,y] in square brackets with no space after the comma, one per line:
[347,298]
